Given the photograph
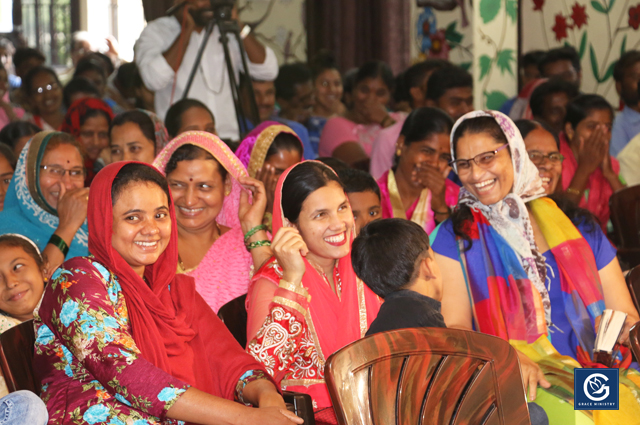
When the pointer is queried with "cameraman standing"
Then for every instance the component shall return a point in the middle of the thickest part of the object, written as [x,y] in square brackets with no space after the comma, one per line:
[166,52]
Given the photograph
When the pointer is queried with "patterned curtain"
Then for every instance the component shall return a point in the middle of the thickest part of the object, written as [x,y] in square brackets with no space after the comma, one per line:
[358,31]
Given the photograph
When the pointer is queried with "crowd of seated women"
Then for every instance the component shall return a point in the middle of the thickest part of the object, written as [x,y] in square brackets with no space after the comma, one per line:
[122,235]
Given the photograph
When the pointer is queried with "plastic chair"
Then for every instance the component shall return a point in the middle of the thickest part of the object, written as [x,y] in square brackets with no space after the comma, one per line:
[16,358]
[427,376]
[634,340]
[633,284]
[625,217]
[234,315]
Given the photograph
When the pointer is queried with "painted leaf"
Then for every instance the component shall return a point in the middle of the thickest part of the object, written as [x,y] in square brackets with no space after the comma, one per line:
[512,9]
[598,6]
[594,62]
[566,44]
[504,59]
[609,72]
[451,35]
[466,66]
[611,2]
[485,65]
[495,99]
[489,10]
[623,46]
[583,45]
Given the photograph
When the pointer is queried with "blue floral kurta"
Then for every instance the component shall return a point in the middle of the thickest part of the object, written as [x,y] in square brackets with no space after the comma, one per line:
[91,370]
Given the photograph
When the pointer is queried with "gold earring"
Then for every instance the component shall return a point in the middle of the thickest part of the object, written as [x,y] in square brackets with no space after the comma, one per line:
[398,152]
[227,192]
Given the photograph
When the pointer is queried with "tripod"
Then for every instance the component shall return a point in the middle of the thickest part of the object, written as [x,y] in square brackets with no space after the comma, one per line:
[227,26]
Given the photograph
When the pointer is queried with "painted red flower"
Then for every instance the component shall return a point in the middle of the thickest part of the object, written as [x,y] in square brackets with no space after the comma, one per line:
[634,17]
[537,4]
[560,28]
[439,45]
[579,15]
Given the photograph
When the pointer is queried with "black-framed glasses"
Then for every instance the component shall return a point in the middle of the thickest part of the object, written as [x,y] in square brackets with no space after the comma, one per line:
[538,157]
[482,160]
[59,172]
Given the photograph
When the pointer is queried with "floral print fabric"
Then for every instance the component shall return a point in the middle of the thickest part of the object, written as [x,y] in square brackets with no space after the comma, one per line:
[93,371]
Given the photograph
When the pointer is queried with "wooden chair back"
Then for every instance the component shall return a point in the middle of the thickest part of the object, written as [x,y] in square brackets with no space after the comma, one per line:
[16,358]
[625,217]
[633,284]
[234,315]
[634,340]
[427,376]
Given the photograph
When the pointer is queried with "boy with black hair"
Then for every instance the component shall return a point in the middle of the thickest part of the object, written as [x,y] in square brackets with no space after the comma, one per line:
[451,89]
[364,196]
[394,259]
[294,92]
[549,102]
[416,79]
[626,125]
[564,63]
[79,88]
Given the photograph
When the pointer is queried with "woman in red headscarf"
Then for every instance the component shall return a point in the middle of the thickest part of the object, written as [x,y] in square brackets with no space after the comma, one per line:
[88,120]
[308,296]
[121,338]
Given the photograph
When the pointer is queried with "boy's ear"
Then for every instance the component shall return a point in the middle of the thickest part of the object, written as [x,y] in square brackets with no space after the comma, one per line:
[427,267]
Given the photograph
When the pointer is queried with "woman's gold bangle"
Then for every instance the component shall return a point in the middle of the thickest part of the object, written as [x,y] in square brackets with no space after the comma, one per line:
[574,191]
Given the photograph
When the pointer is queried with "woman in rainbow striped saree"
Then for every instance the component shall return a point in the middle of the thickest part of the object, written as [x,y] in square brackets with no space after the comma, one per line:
[516,266]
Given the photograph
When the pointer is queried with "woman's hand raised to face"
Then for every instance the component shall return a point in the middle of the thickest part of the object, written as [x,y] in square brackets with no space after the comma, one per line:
[592,152]
[289,248]
[251,214]
[267,175]
[532,375]
[72,208]
[431,178]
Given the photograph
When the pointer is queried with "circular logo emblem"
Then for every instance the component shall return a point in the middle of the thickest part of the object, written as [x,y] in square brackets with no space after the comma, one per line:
[595,388]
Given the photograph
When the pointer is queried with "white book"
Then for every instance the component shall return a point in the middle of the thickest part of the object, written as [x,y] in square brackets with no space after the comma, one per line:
[609,330]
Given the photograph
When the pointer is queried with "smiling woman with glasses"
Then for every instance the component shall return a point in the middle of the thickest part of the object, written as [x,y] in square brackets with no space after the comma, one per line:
[46,200]
[520,267]
[43,94]
[543,151]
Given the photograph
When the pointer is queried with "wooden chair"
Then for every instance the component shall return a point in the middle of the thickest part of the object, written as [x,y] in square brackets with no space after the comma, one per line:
[16,358]
[625,216]
[634,340]
[427,376]
[234,315]
[633,284]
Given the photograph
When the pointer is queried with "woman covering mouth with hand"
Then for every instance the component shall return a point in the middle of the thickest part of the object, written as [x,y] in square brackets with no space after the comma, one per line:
[308,290]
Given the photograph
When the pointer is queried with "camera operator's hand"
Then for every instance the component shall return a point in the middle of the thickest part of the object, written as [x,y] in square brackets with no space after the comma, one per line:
[183,14]
[235,16]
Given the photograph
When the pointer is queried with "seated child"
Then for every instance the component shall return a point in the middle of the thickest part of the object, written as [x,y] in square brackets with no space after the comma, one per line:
[22,279]
[364,196]
[393,257]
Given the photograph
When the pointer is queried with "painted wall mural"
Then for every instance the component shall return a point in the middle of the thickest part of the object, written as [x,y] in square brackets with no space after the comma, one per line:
[600,30]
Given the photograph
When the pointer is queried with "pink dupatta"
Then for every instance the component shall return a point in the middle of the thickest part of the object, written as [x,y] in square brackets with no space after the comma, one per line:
[225,271]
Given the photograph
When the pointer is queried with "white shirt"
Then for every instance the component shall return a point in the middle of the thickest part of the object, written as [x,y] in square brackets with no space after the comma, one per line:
[211,83]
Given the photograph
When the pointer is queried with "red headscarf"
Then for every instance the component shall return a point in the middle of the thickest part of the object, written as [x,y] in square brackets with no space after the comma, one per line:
[71,124]
[171,324]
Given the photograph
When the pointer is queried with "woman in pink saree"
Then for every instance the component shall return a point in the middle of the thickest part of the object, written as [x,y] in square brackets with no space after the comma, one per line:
[308,294]
[208,184]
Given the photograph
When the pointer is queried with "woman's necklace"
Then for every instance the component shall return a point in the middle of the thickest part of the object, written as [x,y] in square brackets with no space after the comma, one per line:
[336,287]
[181,264]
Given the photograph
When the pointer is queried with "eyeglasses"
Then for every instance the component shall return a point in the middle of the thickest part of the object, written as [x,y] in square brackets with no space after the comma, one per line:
[48,87]
[538,157]
[482,160]
[58,172]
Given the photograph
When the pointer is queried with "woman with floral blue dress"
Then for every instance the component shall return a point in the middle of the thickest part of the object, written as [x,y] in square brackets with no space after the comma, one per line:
[121,339]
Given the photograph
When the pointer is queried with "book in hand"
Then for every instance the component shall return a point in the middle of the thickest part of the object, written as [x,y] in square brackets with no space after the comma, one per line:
[606,346]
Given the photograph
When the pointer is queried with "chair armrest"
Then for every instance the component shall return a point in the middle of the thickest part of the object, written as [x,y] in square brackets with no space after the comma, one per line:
[301,405]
